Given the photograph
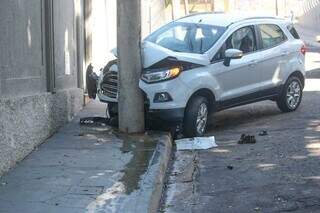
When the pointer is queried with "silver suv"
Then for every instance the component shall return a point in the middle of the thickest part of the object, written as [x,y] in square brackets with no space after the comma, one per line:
[210,62]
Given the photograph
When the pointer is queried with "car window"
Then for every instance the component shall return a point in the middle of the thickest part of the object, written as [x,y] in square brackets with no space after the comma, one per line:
[271,35]
[243,39]
[187,37]
[293,31]
[175,37]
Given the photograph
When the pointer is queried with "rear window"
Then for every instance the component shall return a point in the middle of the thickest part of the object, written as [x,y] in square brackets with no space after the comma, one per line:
[271,35]
[293,32]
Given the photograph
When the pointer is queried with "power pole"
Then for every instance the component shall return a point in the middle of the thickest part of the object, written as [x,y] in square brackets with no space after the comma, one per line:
[212,6]
[277,9]
[175,9]
[130,100]
[186,7]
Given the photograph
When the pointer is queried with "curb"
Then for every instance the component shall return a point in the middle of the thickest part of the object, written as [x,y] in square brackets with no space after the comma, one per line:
[163,150]
[148,198]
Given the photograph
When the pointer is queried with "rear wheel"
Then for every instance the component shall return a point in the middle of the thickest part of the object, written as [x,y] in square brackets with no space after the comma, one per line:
[290,98]
[196,117]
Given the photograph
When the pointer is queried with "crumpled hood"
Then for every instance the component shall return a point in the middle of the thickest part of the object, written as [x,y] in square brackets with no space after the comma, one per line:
[153,53]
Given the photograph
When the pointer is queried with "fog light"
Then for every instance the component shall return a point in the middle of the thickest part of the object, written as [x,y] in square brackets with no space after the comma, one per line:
[162,97]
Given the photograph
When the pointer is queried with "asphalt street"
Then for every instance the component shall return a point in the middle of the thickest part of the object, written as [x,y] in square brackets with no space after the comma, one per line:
[279,173]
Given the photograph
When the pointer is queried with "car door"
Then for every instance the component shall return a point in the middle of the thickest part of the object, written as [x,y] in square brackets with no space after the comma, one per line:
[241,77]
[274,56]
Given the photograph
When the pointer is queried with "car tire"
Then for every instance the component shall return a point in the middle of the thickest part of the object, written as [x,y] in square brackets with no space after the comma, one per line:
[196,117]
[291,95]
[111,110]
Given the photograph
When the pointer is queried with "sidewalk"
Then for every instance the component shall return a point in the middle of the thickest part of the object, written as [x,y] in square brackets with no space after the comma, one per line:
[89,169]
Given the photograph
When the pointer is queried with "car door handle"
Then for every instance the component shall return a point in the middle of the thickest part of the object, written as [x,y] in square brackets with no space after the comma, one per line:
[285,53]
[253,63]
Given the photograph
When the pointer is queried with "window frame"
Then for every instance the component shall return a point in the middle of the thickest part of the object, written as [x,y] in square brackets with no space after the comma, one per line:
[260,36]
[289,28]
[224,46]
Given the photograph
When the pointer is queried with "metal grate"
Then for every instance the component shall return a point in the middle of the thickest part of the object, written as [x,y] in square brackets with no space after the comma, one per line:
[109,85]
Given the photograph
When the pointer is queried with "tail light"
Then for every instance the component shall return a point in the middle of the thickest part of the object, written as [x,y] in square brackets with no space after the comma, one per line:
[303,49]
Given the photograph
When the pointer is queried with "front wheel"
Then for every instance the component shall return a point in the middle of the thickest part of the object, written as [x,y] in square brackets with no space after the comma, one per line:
[196,117]
[291,95]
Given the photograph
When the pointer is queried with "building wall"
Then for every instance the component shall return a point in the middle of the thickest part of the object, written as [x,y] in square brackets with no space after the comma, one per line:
[311,15]
[103,26]
[29,111]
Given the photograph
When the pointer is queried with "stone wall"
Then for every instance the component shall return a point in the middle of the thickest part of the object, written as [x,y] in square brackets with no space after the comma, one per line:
[25,122]
[29,111]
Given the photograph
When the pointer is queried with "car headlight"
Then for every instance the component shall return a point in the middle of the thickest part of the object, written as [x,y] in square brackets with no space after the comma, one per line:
[152,77]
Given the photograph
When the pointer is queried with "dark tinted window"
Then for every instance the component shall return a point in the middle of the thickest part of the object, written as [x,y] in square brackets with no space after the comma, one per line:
[293,32]
[271,35]
[243,39]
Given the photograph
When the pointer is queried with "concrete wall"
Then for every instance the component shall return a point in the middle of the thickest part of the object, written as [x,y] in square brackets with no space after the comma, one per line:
[28,112]
[154,14]
[103,26]
[311,15]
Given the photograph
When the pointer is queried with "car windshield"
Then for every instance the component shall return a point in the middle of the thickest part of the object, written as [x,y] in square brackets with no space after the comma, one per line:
[187,37]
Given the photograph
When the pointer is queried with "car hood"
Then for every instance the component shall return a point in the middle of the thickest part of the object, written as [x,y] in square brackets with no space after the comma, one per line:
[153,53]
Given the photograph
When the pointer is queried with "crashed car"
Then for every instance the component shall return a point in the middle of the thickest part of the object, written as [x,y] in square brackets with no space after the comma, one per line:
[205,63]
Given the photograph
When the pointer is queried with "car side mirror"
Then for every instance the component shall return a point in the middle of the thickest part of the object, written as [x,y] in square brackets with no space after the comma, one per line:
[232,54]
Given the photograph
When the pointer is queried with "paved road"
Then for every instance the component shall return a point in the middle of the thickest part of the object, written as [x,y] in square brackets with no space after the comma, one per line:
[280,173]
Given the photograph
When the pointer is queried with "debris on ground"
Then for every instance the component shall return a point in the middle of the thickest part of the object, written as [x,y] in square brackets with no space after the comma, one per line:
[247,139]
[94,120]
[196,143]
[230,167]
[263,133]
[99,121]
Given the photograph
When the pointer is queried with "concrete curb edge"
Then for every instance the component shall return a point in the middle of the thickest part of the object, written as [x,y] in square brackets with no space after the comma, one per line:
[163,150]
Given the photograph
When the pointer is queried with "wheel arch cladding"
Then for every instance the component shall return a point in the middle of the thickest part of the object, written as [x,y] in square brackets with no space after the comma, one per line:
[299,75]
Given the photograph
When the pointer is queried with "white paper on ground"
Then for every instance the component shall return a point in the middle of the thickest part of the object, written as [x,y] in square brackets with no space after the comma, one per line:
[196,143]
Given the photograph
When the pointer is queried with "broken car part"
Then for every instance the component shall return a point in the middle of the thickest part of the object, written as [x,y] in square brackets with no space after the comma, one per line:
[247,139]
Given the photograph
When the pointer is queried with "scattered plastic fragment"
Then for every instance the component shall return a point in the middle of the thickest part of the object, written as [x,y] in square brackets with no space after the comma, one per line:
[94,121]
[196,143]
[230,167]
[263,133]
[247,139]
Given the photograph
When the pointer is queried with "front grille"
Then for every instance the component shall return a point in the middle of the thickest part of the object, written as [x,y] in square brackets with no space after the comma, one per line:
[109,85]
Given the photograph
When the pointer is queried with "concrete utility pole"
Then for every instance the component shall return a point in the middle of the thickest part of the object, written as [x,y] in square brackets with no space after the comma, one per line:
[277,8]
[131,106]
[175,9]
[212,6]
[186,7]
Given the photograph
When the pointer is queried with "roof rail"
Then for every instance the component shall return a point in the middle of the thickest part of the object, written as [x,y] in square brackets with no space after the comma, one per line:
[260,17]
[200,13]
[254,17]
